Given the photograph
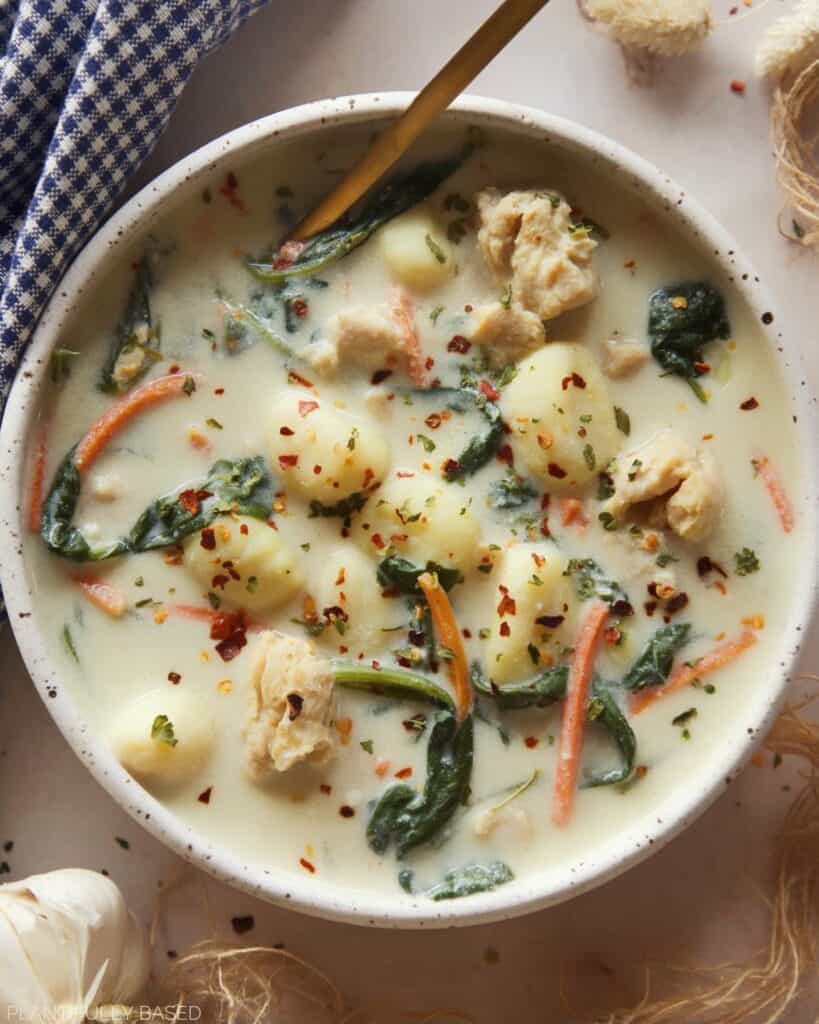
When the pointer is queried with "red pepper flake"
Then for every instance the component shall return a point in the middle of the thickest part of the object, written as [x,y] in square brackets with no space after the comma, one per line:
[433,421]
[467,308]
[292,376]
[317,469]
[300,308]
[230,629]
[403,475]
[507,605]
[307,865]
[326,789]
[489,391]
[403,773]
[244,924]
[380,376]
[378,540]
[204,796]
[556,471]
[288,254]
[749,404]
[504,629]
[230,190]
[544,527]
[650,608]
[505,454]
[286,461]
[285,431]
[429,362]
[451,467]
[218,391]
[244,530]
[175,368]
[550,621]
[207,538]
[296,702]
[368,478]
[189,501]
[612,636]
[346,811]
[175,678]
[737,87]
[306,407]
[573,378]
[702,368]
[531,742]
[630,264]
[220,581]
[459,344]
[677,603]
[706,565]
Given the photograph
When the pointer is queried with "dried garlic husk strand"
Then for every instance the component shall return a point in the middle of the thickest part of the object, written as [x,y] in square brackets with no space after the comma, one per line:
[665,28]
[69,948]
[790,44]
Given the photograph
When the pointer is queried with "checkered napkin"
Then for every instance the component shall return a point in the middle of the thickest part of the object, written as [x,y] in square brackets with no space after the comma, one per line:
[86,87]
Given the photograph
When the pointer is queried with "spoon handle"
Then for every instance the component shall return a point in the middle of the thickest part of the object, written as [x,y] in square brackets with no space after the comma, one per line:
[451,80]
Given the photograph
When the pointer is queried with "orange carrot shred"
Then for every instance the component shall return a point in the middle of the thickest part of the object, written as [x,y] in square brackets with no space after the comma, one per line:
[123,411]
[403,316]
[35,508]
[571,511]
[775,488]
[103,596]
[449,634]
[685,675]
[574,711]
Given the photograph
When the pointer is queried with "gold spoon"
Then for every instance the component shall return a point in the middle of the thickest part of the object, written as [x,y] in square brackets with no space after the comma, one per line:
[451,80]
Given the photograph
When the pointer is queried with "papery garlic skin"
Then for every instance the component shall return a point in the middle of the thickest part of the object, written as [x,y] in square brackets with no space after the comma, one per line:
[68,944]
[667,28]
[790,44]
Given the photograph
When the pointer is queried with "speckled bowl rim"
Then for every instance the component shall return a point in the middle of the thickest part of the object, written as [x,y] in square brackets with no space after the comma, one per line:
[310,895]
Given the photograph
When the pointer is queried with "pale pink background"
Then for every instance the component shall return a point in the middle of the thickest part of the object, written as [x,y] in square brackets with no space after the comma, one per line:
[696,900]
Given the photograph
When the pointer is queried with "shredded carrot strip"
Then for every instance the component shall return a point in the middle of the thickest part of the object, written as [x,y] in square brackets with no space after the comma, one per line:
[198,613]
[443,619]
[775,488]
[574,711]
[122,412]
[101,594]
[35,508]
[685,675]
[403,316]
[571,511]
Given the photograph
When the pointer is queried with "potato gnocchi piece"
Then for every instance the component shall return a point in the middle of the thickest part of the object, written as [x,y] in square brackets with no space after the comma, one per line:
[325,453]
[422,520]
[290,705]
[347,581]
[415,252]
[529,240]
[508,332]
[244,561]
[561,415]
[163,755]
[528,585]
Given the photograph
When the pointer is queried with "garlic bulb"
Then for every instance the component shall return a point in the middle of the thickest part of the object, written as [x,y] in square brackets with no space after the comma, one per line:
[68,945]
[667,28]
[791,43]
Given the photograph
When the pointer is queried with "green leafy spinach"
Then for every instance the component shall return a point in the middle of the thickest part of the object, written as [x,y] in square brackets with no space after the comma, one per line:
[653,665]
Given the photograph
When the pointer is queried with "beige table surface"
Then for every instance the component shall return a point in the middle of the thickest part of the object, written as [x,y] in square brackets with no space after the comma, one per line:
[694,899]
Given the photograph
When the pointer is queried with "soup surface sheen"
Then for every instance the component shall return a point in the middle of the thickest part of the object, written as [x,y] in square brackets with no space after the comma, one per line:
[602,454]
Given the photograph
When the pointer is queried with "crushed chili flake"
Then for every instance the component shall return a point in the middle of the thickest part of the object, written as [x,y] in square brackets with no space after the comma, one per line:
[326,789]
[531,742]
[230,190]
[378,540]
[292,376]
[317,470]
[630,264]
[402,475]
[296,702]
[189,500]
[285,431]
[207,538]
[504,629]
[506,455]
[300,308]
[433,421]
[573,378]
[612,636]
[507,605]
[244,530]
[230,629]
[306,407]
[175,368]
[650,608]
[749,404]
[550,621]
[307,865]
[175,678]
[705,565]
[380,376]
[429,362]
[451,467]
[287,461]
[489,391]
[459,344]
[344,726]
[403,773]
[204,796]
[218,391]
[556,471]
[346,811]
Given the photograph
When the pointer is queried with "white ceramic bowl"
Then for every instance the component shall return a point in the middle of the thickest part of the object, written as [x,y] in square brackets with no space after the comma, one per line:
[306,894]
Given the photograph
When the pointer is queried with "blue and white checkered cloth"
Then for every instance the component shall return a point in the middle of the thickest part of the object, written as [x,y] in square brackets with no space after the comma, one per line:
[86,87]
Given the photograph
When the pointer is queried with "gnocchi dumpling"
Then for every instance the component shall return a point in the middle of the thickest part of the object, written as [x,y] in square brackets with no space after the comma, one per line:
[531,613]
[347,591]
[163,738]
[244,561]
[324,452]
[561,415]
[422,520]
[415,252]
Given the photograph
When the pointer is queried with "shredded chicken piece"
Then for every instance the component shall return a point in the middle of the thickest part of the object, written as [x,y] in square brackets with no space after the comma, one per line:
[528,239]
[508,333]
[674,485]
[362,336]
[623,356]
[667,28]
[514,818]
[289,706]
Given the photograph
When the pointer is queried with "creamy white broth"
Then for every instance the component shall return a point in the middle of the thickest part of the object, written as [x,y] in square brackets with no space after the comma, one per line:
[289,819]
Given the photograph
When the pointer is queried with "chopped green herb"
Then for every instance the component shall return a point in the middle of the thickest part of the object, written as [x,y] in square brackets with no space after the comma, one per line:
[746,562]
[427,442]
[68,640]
[435,313]
[252,584]
[664,559]
[684,717]
[506,297]
[367,745]
[607,521]
[351,440]
[162,731]
[605,487]
[434,248]
[211,422]
[214,600]
[534,654]
[189,385]
[589,457]
[623,420]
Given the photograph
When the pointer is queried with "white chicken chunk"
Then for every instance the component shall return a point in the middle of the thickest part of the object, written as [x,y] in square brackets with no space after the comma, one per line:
[676,485]
[623,356]
[528,239]
[667,28]
[289,706]
[507,333]
[513,819]
[362,336]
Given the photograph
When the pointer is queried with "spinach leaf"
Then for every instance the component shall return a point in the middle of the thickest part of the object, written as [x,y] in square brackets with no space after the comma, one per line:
[682,319]
[545,689]
[591,581]
[604,709]
[401,192]
[511,492]
[471,879]
[391,682]
[402,574]
[483,445]
[345,509]
[236,324]
[136,342]
[653,665]
[241,485]
[409,818]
